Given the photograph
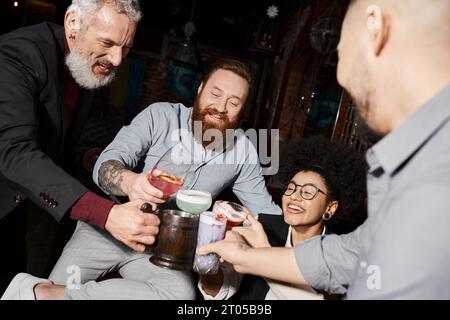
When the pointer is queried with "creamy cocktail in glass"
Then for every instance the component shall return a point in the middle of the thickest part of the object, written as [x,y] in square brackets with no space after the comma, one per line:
[193,201]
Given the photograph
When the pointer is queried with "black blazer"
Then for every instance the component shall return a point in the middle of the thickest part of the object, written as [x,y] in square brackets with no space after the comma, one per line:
[254,287]
[33,139]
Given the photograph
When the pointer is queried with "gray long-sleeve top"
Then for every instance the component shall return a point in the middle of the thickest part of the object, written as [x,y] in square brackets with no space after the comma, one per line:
[402,251]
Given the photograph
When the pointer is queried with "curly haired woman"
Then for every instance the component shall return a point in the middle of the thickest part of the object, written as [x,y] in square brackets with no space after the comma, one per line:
[325,185]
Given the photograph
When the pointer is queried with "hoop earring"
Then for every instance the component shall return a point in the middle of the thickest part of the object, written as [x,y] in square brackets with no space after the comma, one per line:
[326,216]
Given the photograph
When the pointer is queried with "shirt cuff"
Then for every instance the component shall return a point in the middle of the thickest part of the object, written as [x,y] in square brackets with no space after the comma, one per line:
[231,281]
[92,209]
[221,295]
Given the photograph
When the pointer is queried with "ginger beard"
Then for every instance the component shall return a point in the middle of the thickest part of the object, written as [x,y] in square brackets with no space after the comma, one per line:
[200,114]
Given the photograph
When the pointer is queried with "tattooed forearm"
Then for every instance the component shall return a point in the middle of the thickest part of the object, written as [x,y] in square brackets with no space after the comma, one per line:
[110,177]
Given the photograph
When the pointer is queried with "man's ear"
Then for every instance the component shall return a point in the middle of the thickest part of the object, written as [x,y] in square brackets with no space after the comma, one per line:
[71,25]
[200,88]
[379,25]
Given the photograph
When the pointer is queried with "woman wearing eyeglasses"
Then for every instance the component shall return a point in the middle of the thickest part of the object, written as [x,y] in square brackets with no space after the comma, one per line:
[323,181]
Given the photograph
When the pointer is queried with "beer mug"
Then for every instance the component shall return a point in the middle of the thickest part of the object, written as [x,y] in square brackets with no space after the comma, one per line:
[176,241]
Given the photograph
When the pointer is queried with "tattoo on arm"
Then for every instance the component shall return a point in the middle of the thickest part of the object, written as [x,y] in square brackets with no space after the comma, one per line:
[110,177]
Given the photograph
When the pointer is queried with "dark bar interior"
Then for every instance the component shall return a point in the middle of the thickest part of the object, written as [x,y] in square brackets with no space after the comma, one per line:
[307,126]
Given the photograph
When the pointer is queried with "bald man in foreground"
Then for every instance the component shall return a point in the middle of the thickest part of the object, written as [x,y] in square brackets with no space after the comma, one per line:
[394,59]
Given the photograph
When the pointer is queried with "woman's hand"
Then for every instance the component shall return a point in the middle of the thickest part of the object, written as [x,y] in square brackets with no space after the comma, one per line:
[254,234]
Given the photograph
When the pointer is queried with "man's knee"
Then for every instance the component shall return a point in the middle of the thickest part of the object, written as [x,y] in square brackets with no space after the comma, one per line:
[180,287]
[185,293]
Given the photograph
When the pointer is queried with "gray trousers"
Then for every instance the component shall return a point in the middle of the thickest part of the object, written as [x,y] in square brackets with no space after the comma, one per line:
[92,252]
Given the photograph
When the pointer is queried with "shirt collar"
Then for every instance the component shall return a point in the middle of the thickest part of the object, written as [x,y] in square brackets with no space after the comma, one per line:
[289,236]
[399,145]
[60,40]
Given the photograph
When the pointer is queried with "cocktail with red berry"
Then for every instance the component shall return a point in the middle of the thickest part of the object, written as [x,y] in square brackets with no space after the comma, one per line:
[234,212]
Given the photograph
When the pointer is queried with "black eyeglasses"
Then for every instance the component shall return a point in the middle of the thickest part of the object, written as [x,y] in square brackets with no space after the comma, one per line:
[308,191]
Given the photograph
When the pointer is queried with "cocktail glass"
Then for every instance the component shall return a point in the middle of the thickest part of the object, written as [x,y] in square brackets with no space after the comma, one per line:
[193,201]
[235,213]
[171,170]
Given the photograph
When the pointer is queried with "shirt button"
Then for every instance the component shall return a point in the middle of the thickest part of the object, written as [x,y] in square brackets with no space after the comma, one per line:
[17,198]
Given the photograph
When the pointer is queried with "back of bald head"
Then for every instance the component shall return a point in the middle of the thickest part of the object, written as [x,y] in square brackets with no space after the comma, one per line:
[429,19]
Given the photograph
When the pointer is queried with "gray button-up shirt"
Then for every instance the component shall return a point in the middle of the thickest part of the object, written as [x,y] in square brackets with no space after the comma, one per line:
[402,251]
[157,128]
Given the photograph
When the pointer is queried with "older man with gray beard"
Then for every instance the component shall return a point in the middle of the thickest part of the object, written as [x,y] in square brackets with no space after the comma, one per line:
[47,75]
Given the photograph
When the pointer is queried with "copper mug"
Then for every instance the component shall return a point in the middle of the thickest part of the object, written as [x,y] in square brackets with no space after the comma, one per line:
[176,241]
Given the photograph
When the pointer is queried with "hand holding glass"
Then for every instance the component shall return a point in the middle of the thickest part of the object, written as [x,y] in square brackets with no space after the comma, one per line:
[171,170]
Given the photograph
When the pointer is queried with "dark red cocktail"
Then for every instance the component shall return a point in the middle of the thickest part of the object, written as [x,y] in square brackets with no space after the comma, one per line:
[166,183]
[234,212]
